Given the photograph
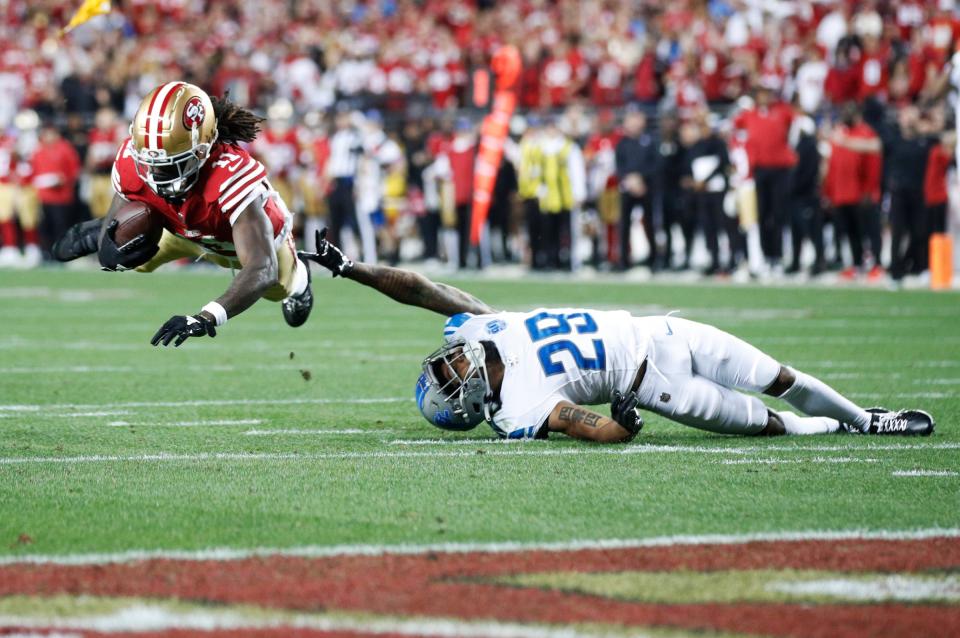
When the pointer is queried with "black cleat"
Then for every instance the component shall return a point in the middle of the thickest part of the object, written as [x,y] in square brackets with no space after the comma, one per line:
[80,240]
[904,422]
[296,308]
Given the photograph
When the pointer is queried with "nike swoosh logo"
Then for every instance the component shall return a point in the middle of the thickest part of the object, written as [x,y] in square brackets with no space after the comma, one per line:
[669,329]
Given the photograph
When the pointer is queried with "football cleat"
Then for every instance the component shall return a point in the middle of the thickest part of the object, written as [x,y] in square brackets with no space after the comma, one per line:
[904,422]
[296,308]
[80,240]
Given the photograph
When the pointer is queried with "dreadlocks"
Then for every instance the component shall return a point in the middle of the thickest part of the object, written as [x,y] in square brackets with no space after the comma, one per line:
[234,123]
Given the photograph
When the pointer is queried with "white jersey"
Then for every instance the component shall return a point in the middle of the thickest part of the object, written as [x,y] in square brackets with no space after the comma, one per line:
[553,355]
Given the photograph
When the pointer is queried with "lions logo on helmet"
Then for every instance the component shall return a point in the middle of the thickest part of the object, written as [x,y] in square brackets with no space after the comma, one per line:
[173,137]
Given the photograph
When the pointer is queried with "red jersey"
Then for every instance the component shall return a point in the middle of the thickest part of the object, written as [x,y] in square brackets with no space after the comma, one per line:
[229,181]
[102,148]
[607,86]
[278,150]
[599,154]
[645,85]
[56,168]
[853,176]
[872,75]
[767,136]
[935,180]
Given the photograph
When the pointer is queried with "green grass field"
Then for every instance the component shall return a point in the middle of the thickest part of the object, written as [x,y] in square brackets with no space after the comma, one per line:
[269,436]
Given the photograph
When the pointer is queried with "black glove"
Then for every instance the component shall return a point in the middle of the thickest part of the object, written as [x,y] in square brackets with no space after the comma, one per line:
[182,327]
[623,410]
[135,252]
[328,256]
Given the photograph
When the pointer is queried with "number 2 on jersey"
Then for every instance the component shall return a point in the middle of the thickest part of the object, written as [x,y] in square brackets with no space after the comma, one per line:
[544,325]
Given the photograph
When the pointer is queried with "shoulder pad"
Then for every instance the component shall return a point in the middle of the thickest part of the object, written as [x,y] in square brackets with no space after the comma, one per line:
[454,322]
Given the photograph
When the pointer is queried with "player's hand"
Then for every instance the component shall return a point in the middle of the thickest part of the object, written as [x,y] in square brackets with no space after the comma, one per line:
[135,252]
[181,327]
[328,256]
[623,410]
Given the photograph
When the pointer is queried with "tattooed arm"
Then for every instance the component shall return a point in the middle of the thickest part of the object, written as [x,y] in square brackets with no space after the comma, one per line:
[414,289]
[400,285]
[581,423]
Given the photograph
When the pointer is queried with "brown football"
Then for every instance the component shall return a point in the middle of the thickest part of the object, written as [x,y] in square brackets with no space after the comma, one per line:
[136,218]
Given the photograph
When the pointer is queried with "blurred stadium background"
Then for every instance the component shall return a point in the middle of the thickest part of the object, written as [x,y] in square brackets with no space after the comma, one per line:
[708,177]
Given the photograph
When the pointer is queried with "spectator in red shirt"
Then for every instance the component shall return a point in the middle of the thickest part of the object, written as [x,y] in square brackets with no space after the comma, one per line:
[852,187]
[646,85]
[462,153]
[767,127]
[935,182]
[56,168]
[873,74]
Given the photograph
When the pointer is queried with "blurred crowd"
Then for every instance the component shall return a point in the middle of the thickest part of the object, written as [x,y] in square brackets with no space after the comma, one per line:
[777,136]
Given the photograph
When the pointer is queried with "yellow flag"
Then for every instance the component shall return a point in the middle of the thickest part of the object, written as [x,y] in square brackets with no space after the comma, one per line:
[89,9]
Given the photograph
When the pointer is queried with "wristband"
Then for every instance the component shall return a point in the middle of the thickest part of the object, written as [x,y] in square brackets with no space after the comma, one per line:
[218,312]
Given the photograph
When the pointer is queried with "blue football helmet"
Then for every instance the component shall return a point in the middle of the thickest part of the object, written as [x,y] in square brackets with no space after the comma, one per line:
[452,393]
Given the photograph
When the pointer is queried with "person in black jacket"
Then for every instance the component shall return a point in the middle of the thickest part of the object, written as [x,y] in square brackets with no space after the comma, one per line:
[676,207]
[806,215]
[708,168]
[637,168]
[906,147]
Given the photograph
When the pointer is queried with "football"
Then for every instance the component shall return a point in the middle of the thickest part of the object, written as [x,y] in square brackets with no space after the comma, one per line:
[136,218]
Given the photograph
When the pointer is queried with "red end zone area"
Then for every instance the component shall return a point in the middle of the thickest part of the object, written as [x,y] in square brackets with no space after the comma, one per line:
[869,587]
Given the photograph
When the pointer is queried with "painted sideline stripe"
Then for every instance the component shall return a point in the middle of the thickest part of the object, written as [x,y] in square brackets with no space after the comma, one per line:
[37,407]
[324,551]
[154,618]
[516,451]
[925,473]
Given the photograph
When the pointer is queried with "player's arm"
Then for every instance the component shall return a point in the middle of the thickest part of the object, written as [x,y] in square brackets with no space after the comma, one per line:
[401,285]
[253,239]
[578,422]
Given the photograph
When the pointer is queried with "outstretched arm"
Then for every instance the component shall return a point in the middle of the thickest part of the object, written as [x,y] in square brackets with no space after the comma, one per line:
[401,285]
[414,289]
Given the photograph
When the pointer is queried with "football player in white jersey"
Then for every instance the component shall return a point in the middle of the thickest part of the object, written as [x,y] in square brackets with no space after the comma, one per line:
[531,373]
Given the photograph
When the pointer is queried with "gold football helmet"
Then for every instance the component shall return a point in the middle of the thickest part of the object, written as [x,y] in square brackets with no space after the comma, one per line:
[173,134]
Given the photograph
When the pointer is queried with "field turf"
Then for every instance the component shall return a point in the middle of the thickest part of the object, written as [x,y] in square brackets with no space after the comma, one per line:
[274,437]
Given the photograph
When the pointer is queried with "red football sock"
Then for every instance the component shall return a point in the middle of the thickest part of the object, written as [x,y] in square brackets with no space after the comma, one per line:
[8,233]
[30,237]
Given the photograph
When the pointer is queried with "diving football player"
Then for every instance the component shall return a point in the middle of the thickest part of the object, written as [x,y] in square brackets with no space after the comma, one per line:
[183,160]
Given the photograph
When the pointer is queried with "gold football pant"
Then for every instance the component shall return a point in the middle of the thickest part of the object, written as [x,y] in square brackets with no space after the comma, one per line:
[173,247]
[21,200]
[101,195]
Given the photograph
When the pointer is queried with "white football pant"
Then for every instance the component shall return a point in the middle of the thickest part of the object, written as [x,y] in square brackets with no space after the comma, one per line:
[694,370]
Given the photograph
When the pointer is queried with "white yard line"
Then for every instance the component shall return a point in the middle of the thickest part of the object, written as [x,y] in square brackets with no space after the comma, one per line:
[901,395]
[324,551]
[925,473]
[860,365]
[70,415]
[59,407]
[330,432]
[816,459]
[520,449]
[187,424]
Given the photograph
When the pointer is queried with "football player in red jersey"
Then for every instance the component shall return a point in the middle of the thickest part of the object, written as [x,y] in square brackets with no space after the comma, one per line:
[182,159]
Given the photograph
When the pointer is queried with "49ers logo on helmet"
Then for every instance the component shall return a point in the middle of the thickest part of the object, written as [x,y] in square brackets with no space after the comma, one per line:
[193,113]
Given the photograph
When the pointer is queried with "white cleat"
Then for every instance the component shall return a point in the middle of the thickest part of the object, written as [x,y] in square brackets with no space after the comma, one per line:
[10,257]
[32,257]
